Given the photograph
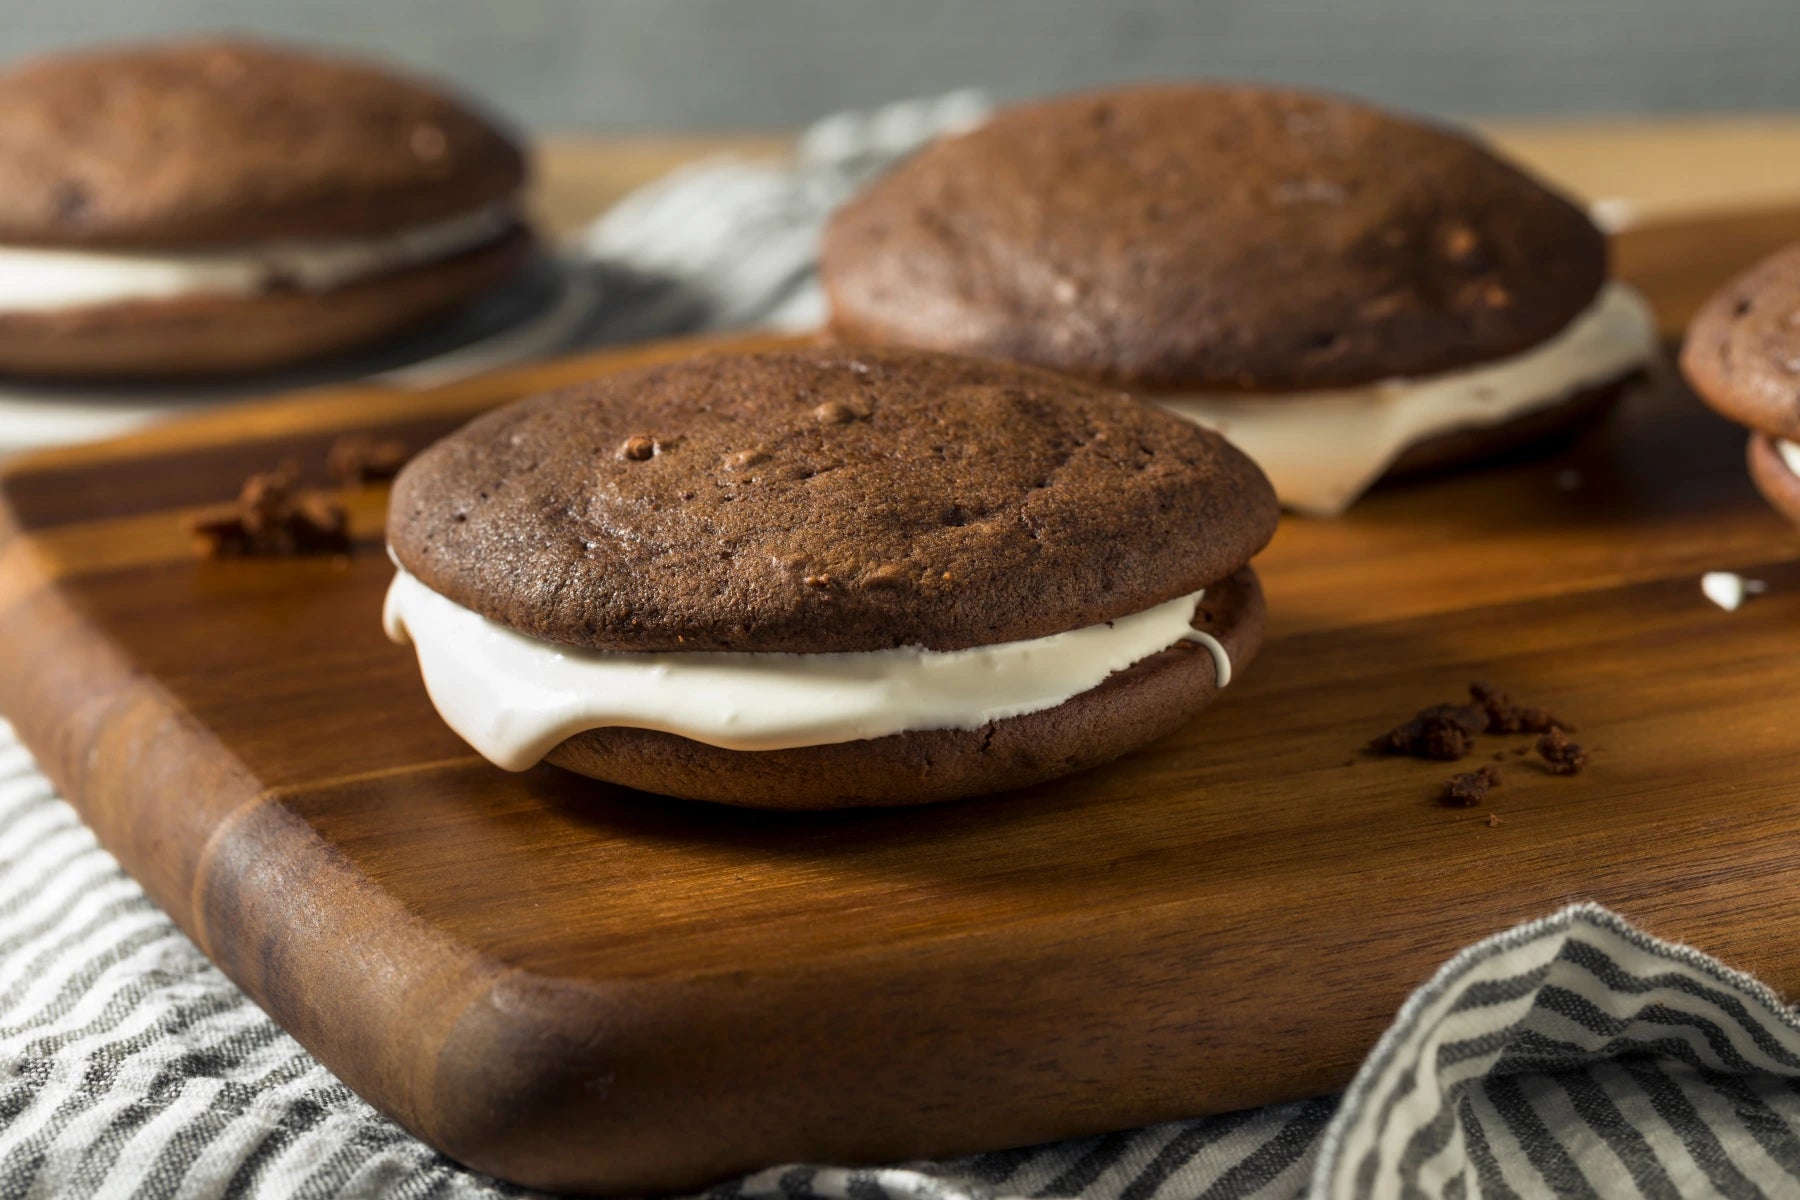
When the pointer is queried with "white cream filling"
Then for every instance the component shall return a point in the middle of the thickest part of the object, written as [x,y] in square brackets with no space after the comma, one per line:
[38,279]
[514,697]
[1790,454]
[1323,450]
[1728,590]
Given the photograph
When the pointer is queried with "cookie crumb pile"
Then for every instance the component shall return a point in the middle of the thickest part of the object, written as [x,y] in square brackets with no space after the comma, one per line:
[273,516]
[359,458]
[1471,787]
[1563,756]
[1448,733]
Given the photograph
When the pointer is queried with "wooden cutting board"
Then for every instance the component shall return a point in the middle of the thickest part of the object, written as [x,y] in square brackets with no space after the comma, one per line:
[574,986]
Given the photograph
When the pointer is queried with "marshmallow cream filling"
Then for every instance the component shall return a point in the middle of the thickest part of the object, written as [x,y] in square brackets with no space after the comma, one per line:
[41,279]
[514,698]
[1790,454]
[1323,450]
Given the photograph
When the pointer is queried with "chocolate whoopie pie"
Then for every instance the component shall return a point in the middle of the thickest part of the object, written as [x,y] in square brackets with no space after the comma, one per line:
[1742,355]
[1342,291]
[827,577]
[207,207]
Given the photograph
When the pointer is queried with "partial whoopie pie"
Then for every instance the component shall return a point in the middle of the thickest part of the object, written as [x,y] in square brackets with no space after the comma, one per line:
[1270,262]
[218,206]
[1742,355]
[827,508]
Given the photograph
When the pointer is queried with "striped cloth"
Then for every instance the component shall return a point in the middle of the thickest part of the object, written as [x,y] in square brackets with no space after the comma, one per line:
[1573,1056]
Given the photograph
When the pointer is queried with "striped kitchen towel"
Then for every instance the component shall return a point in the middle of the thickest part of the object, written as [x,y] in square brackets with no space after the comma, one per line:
[1573,1056]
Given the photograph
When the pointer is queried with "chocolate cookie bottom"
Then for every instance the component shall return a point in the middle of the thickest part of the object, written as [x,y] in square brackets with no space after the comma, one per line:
[1463,447]
[1130,708]
[221,335]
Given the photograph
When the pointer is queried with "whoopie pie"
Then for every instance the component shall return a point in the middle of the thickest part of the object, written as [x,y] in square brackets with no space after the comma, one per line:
[1342,291]
[1742,355]
[827,576]
[206,207]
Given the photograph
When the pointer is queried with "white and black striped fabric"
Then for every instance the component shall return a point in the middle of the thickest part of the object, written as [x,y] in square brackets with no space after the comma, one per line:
[1574,1056]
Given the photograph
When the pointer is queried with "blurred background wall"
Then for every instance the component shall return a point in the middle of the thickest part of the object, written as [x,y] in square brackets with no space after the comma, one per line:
[623,65]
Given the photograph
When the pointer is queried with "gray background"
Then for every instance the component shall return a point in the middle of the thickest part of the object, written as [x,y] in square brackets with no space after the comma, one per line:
[744,64]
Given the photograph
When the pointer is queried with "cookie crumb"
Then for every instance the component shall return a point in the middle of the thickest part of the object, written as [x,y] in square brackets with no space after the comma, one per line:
[357,458]
[272,517]
[1441,733]
[1503,716]
[1493,821]
[1470,788]
[1563,756]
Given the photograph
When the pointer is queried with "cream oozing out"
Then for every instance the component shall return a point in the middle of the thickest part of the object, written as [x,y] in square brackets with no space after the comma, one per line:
[1322,450]
[46,279]
[514,698]
[1790,454]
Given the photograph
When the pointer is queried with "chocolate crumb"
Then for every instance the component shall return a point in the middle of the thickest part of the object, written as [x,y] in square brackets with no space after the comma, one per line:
[357,458]
[1542,720]
[1447,732]
[1442,733]
[1563,756]
[273,516]
[1470,788]
[1503,716]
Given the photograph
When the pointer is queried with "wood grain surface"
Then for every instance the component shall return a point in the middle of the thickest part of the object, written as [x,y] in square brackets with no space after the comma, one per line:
[579,987]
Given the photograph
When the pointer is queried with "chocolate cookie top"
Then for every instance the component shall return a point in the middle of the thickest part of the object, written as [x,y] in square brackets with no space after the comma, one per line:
[1193,236]
[214,142]
[826,499]
[1742,352]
